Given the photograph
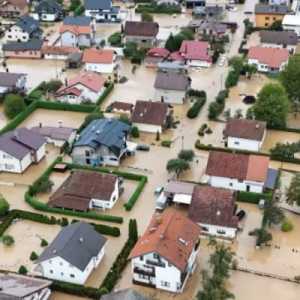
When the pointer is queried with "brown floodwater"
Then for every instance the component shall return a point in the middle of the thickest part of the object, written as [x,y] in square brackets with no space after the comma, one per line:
[3,118]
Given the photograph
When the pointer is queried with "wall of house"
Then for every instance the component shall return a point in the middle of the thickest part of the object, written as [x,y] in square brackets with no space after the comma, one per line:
[235,184]
[69,39]
[11,164]
[291,48]
[243,144]
[265,68]
[291,27]
[219,231]
[85,40]
[148,128]
[41,152]
[170,96]
[4,89]
[141,40]
[44,17]
[43,294]
[198,63]
[56,56]
[23,54]
[265,21]
[16,34]
[100,68]
[278,2]
[103,16]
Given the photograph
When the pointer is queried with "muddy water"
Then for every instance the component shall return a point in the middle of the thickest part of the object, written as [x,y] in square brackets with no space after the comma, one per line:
[27,236]
[61,296]
[293,121]
[3,119]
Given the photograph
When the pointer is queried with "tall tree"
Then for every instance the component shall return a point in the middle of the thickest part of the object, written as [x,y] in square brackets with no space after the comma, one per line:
[13,105]
[272,106]
[293,191]
[273,214]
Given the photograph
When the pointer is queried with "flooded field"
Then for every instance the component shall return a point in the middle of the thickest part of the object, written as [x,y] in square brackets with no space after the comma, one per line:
[61,296]
[49,117]
[3,119]
[27,236]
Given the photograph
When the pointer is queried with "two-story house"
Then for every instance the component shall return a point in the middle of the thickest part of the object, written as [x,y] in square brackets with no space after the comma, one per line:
[266,15]
[72,256]
[102,11]
[13,8]
[292,23]
[165,255]
[48,11]
[85,190]
[103,141]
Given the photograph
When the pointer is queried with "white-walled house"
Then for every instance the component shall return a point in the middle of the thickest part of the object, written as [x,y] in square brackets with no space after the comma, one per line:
[19,149]
[102,11]
[72,256]
[244,134]
[292,23]
[86,190]
[179,192]
[12,82]
[238,172]
[214,210]
[165,255]
[47,11]
[99,60]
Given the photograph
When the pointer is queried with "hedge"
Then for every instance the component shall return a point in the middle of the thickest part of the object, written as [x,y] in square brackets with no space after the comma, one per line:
[158,9]
[107,230]
[195,109]
[250,197]
[134,197]
[105,94]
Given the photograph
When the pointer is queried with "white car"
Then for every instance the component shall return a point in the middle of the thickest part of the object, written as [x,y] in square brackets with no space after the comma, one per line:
[221,61]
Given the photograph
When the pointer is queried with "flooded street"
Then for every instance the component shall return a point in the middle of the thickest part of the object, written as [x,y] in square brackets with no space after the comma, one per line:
[3,119]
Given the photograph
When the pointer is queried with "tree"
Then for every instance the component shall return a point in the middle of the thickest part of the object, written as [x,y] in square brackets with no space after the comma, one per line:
[187,155]
[293,191]
[172,43]
[8,240]
[135,132]
[237,63]
[290,79]
[133,231]
[249,70]
[177,166]
[272,106]
[115,39]
[262,236]
[44,243]
[23,270]
[276,26]
[33,256]
[4,206]
[146,17]
[13,105]
[232,79]
[157,138]
[273,214]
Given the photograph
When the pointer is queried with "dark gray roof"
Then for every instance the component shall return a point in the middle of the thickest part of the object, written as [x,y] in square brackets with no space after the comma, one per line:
[56,133]
[108,132]
[171,81]
[78,21]
[271,9]
[28,24]
[77,244]
[9,79]
[127,294]
[279,37]
[49,6]
[34,45]
[21,141]
[96,4]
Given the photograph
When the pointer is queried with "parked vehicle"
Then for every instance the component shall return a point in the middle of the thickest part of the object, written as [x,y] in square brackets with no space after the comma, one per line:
[241,215]
[142,147]
[161,202]
[158,190]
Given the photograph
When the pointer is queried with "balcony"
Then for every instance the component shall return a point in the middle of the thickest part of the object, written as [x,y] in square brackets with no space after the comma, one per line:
[155,263]
[149,272]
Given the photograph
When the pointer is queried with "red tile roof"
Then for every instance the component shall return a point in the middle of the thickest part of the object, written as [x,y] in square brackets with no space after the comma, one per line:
[195,50]
[171,235]
[158,52]
[213,206]
[76,29]
[47,49]
[272,57]
[239,166]
[98,56]
[176,56]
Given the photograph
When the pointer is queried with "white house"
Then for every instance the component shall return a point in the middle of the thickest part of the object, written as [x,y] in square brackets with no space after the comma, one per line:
[268,59]
[179,192]
[48,11]
[12,82]
[58,52]
[85,190]
[214,210]
[19,149]
[292,22]
[150,116]
[244,134]
[238,172]
[165,256]
[99,60]
[102,11]
[72,256]
[86,87]
[15,286]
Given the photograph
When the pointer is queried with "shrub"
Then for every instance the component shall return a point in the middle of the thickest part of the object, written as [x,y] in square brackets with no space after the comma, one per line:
[208,131]
[33,256]
[287,226]
[232,79]
[166,143]
[196,93]
[13,105]
[132,200]
[44,243]
[158,8]
[4,206]
[214,110]
[251,197]
[115,39]
[8,240]
[23,270]
[107,230]
[187,155]
[135,133]
[195,109]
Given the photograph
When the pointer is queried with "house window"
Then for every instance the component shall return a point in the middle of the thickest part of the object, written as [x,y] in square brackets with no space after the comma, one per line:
[62,274]
[60,263]
[155,255]
[51,271]
[236,143]
[72,275]
[230,184]
[165,283]
[220,231]
[204,228]
[141,257]
[87,153]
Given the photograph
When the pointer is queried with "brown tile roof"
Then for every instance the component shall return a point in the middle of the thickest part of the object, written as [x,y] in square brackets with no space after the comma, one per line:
[98,56]
[172,81]
[148,112]
[47,49]
[171,235]
[118,105]
[239,166]
[80,187]
[134,28]
[245,129]
[21,4]
[75,29]
[213,206]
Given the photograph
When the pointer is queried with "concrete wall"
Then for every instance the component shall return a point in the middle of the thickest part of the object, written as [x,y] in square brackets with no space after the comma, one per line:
[219,231]
[170,96]
[100,68]
[148,128]
[243,144]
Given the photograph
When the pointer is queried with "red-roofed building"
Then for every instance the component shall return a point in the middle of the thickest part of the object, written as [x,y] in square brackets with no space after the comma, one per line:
[268,60]
[196,53]
[165,256]
[86,87]
[99,60]
[155,56]
[58,52]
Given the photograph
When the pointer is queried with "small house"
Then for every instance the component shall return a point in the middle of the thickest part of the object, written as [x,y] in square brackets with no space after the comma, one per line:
[179,192]
[266,15]
[292,23]
[10,82]
[31,49]
[58,52]
[48,11]
[102,11]
[13,8]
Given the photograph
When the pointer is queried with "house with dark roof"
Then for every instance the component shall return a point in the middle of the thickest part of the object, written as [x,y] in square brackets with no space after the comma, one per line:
[19,287]
[26,28]
[266,15]
[244,134]
[72,256]
[102,11]
[19,149]
[85,190]
[279,39]
[214,210]
[48,11]
[127,294]
[12,82]
[165,255]
[13,8]
[150,116]
[30,49]
[77,31]
[171,87]
[240,172]
[142,33]
[120,108]
[103,141]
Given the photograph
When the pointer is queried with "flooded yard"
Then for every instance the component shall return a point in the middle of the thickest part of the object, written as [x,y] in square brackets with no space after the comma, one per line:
[27,236]
[3,118]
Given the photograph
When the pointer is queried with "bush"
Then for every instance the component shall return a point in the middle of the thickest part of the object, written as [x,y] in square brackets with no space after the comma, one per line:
[51,86]
[216,108]
[105,94]
[232,79]
[107,230]
[44,243]
[23,270]
[115,39]
[4,206]
[196,93]
[250,197]
[8,240]
[33,256]
[132,200]
[195,109]
[166,143]
[13,105]
[287,226]
[158,8]
[135,133]
[187,155]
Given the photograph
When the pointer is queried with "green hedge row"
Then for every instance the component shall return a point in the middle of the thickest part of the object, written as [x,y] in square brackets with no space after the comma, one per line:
[250,197]
[158,8]
[194,111]
[105,94]
[107,230]
[135,196]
